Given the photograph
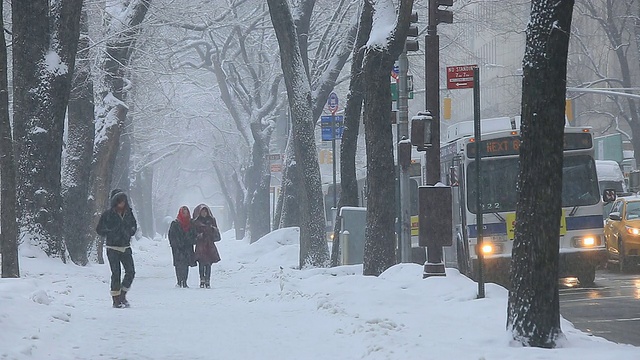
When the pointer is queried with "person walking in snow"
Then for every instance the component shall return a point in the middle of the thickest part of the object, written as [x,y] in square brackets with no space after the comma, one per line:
[182,237]
[118,225]
[207,234]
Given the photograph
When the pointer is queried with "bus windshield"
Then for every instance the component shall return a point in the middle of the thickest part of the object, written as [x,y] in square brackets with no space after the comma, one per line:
[499,178]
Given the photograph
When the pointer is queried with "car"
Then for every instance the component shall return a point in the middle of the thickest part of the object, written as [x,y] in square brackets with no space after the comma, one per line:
[622,232]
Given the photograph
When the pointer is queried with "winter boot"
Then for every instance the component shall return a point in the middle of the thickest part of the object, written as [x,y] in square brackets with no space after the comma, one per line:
[207,284]
[201,284]
[117,304]
[123,299]
[184,284]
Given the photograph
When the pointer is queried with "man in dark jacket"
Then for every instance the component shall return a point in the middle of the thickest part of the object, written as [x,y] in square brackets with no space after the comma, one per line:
[118,225]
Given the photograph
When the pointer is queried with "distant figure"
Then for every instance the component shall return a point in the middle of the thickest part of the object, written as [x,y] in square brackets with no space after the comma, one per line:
[118,225]
[207,234]
[182,237]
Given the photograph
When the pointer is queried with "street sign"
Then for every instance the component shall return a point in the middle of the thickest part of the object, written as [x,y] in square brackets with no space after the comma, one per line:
[325,122]
[275,168]
[460,77]
[394,92]
[395,71]
[332,102]
[273,157]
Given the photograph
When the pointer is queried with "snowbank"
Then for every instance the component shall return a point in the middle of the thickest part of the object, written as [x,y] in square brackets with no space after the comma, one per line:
[262,308]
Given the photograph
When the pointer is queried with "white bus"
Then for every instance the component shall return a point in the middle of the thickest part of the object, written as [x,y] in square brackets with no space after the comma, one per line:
[582,247]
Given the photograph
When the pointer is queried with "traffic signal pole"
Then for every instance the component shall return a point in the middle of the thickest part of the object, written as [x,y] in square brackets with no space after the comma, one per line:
[434,265]
[403,171]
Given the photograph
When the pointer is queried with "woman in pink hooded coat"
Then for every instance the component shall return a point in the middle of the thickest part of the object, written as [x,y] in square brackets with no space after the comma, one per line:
[207,234]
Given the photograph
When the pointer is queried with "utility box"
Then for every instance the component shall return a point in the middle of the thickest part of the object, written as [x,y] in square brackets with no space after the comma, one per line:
[352,227]
[435,216]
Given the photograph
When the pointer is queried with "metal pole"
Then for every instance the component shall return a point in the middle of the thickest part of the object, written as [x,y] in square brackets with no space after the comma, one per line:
[333,160]
[478,140]
[432,88]
[434,264]
[403,133]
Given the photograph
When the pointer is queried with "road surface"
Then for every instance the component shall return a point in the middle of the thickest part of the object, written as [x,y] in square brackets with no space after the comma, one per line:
[610,308]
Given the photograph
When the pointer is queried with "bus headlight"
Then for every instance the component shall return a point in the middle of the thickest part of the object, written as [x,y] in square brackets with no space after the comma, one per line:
[632,230]
[488,248]
[586,241]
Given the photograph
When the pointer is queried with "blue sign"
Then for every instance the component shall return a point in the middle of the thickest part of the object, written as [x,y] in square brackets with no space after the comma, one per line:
[396,69]
[325,124]
[332,102]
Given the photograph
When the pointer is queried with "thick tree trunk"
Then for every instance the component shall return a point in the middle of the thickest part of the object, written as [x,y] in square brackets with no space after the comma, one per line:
[111,111]
[104,158]
[534,308]
[44,50]
[379,248]
[9,235]
[352,112]
[313,246]
[77,164]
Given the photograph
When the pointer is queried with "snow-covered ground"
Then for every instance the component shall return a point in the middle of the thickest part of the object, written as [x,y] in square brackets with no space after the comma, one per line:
[260,308]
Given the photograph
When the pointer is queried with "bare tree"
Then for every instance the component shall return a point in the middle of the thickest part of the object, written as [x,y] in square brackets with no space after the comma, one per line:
[123,19]
[313,246]
[79,151]
[352,112]
[45,38]
[9,236]
[534,301]
[380,54]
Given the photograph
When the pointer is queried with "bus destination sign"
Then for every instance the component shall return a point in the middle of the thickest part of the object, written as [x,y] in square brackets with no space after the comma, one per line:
[510,145]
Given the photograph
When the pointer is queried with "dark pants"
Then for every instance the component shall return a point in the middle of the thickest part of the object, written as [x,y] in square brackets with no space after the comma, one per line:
[205,272]
[126,259]
[182,273]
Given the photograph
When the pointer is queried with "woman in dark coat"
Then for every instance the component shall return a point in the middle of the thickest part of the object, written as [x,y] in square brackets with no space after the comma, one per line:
[182,237]
[207,234]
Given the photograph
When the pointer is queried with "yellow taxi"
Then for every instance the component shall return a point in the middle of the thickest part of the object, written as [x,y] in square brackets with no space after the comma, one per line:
[622,232]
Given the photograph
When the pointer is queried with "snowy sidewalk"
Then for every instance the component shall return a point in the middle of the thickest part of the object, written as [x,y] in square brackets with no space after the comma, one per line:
[258,310]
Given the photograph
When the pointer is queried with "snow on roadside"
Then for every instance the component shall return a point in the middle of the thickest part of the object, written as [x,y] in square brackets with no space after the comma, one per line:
[260,307]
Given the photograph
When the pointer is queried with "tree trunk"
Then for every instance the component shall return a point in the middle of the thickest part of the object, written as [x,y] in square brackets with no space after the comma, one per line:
[313,246]
[77,164]
[379,248]
[259,181]
[122,168]
[9,235]
[121,33]
[290,207]
[352,112]
[240,219]
[44,49]
[144,204]
[534,308]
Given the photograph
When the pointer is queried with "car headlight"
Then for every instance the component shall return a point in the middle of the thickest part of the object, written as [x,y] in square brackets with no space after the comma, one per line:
[586,241]
[632,230]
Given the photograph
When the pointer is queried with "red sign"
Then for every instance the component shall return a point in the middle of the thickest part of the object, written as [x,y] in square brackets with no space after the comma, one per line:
[460,77]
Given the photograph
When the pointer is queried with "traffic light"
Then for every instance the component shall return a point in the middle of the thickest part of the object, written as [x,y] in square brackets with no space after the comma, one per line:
[438,16]
[411,44]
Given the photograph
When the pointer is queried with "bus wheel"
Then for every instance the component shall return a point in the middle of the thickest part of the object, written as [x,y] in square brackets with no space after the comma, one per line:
[587,277]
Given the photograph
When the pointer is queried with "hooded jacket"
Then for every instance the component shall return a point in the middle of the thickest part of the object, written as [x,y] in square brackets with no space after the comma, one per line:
[118,229]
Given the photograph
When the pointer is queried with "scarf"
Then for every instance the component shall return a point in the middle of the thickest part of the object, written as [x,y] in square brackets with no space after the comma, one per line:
[184,220]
